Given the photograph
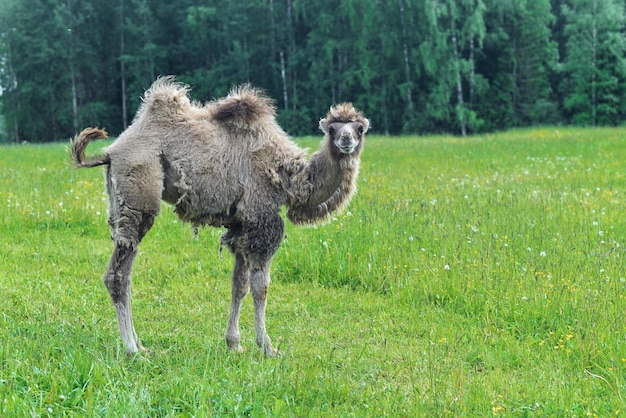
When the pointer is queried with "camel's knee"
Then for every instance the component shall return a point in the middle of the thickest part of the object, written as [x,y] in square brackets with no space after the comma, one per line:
[260,284]
[240,290]
[131,226]
[240,278]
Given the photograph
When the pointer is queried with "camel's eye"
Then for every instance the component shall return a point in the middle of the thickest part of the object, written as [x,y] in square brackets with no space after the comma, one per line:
[360,129]
[331,130]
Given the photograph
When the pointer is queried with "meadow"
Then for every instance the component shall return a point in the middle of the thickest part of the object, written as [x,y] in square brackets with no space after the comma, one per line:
[479,276]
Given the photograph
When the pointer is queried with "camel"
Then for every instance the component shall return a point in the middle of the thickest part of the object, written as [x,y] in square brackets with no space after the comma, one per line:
[227,164]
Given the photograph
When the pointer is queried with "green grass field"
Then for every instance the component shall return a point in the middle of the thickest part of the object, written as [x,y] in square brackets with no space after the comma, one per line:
[469,277]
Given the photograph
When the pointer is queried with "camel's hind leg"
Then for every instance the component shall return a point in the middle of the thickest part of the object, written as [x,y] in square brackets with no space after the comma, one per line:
[128,227]
[117,278]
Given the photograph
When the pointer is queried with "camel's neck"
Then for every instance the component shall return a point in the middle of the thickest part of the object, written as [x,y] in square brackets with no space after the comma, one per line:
[325,185]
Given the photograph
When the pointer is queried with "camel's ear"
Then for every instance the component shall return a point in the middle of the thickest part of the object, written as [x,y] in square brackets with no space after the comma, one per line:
[324,125]
[366,125]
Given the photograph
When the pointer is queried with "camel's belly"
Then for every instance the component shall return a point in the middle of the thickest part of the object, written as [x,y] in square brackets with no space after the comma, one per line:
[205,197]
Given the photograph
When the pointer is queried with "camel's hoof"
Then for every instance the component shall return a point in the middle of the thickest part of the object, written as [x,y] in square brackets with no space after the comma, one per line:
[272,352]
[237,348]
[141,350]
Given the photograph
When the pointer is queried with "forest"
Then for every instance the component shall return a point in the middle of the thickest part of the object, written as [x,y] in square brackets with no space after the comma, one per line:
[412,66]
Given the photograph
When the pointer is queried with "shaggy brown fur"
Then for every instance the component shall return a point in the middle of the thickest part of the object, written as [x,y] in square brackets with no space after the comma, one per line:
[225,164]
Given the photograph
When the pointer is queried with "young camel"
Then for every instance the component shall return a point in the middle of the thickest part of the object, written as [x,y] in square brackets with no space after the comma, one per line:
[225,164]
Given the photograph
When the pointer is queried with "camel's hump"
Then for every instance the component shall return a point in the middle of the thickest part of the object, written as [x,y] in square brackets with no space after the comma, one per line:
[166,94]
[244,106]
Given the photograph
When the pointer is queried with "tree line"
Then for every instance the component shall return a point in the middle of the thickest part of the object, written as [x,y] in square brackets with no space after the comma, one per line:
[412,66]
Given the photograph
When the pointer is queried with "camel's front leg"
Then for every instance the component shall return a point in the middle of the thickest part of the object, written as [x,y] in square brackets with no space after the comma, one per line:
[240,288]
[254,245]
[260,284]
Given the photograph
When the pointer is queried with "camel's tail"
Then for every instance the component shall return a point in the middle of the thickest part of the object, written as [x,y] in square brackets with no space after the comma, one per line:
[243,107]
[77,147]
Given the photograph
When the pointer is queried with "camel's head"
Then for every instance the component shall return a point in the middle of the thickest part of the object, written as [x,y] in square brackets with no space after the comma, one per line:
[345,128]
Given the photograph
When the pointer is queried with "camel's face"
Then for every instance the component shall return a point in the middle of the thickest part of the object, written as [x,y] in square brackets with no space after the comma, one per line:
[346,136]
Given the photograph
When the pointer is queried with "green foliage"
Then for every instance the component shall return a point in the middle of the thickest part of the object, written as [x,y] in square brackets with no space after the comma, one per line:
[469,277]
[519,57]
[413,66]
[595,68]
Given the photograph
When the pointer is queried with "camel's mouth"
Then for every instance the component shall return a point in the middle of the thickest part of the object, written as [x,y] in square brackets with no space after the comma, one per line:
[349,149]
[346,146]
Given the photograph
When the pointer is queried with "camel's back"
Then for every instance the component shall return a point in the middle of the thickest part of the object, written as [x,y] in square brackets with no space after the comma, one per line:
[215,161]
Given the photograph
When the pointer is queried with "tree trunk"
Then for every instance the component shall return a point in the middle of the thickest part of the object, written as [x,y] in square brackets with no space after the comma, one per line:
[405,56]
[123,67]
[292,53]
[74,98]
[459,85]
[72,64]
[472,72]
[273,54]
[594,53]
[283,78]
[514,82]
[247,55]
[14,100]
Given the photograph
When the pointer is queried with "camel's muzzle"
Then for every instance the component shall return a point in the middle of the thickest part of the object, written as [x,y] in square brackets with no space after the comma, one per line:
[347,144]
